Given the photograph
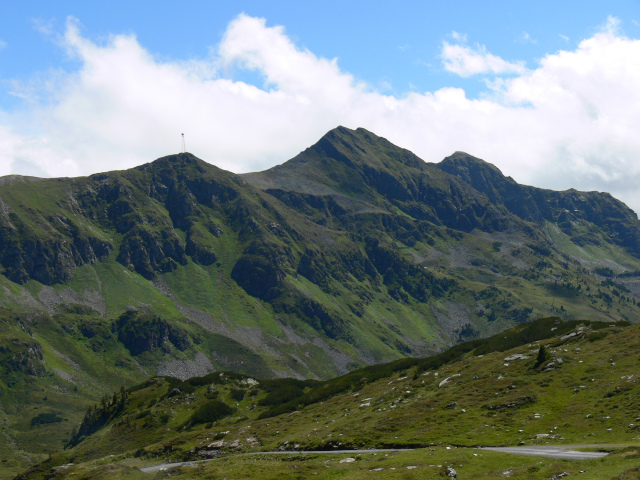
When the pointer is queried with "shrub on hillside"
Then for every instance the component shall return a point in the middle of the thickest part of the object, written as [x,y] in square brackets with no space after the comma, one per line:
[237,394]
[45,418]
[212,411]
[141,332]
[542,356]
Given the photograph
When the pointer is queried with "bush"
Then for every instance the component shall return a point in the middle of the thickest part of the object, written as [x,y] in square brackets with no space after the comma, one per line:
[212,411]
[542,356]
[143,332]
[45,418]
[211,394]
[605,272]
[143,414]
[283,390]
[597,336]
[237,394]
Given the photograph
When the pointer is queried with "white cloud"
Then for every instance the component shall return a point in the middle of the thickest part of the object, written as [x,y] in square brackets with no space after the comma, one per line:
[46,27]
[526,38]
[563,37]
[8,146]
[466,61]
[459,37]
[611,26]
[3,44]
[569,122]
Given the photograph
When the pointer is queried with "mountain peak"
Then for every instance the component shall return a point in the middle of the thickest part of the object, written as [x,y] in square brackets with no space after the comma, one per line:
[465,165]
[481,175]
[343,161]
[182,163]
[183,158]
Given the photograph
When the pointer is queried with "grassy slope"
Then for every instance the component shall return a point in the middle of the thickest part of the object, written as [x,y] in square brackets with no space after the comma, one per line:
[79,372]
[105,369]
[430,464]
[380,327]
[590,398]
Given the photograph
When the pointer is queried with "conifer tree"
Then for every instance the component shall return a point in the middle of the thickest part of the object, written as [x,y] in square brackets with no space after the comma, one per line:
[542,356]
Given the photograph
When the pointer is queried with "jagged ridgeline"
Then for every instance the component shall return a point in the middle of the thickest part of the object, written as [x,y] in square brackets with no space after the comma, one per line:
[352,253]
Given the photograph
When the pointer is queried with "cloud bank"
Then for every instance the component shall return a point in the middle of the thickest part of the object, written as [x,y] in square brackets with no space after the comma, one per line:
[466,61]
[569,121]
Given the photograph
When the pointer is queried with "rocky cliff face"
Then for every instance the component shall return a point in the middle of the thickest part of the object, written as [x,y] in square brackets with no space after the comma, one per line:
[44,246]
[571,209]
[354,240]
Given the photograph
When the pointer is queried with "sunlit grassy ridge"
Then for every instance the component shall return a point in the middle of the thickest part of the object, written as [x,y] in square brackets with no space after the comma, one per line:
[488,392]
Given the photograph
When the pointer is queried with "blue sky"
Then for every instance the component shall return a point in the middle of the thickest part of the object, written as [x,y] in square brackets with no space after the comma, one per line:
[392,44]
[546,91]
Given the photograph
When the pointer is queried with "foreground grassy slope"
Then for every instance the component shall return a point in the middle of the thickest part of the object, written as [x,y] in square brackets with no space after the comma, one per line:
[433,463]
[482,393]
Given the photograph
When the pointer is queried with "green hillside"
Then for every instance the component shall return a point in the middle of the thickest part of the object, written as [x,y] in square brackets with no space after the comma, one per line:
[489,392]
[353,253]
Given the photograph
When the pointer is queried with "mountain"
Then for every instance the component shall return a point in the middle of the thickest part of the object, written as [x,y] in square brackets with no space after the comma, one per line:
[576,213]
[353,253]
[488,392]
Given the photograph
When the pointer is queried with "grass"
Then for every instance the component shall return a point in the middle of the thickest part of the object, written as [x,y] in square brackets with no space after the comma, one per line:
[87,377]
[122,288]
[429,463]
[105,364]
[588,399]
[605,251]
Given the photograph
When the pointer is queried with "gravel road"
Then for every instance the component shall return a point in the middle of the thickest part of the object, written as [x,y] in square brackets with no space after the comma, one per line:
[164,466]
[549,452]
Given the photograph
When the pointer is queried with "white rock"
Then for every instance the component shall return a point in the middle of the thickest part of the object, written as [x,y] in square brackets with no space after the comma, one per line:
[517,356]
[446,380]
